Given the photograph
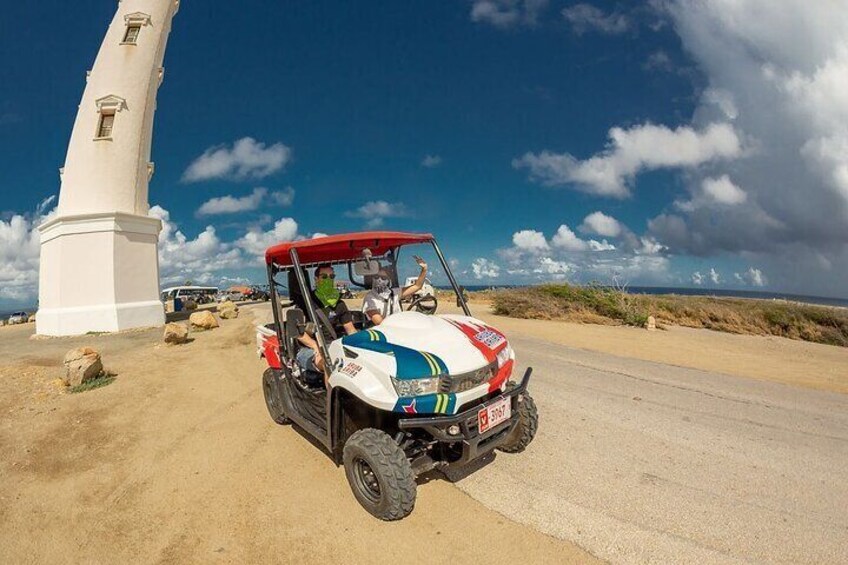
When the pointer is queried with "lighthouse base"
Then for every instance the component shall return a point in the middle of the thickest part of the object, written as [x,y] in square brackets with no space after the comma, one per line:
[98,273]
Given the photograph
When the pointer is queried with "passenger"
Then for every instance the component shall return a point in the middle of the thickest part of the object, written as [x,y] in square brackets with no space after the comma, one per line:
[382,301]
[326,298]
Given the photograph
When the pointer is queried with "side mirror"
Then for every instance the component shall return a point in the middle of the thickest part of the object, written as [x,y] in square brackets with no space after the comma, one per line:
[464,296]
[295,323]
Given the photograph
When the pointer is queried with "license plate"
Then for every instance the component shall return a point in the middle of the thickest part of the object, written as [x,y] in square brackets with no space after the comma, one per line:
[494,414]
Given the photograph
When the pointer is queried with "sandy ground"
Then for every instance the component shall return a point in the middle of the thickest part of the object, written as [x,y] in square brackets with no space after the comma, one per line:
[177,461]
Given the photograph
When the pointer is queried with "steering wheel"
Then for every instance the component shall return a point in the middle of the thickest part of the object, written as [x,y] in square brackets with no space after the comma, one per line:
[426,304]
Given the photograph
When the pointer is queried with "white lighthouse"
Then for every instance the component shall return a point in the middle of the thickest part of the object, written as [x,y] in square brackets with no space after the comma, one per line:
[99,262]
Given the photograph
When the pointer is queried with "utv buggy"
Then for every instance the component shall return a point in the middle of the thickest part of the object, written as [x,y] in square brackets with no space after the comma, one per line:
[421,391]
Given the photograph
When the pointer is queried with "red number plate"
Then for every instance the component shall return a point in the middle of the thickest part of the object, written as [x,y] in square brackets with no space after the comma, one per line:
[494,414]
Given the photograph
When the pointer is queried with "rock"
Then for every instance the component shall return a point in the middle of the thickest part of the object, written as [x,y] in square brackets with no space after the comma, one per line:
[82,365]
[651,324]
[228,310]
[2,323]
[228,314]
[203,320]
[190,305]
[32,319]
[175,333]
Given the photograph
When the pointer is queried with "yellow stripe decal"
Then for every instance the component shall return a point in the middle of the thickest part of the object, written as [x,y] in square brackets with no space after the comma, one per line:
[438,403]
[434,368]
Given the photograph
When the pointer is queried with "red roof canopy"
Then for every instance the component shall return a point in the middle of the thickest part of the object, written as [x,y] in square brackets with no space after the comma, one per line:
[342,247]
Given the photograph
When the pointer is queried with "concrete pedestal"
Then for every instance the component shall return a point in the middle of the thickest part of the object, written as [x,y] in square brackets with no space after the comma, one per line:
[99,272]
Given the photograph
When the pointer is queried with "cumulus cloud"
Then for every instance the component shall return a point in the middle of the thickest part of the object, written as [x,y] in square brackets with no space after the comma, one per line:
[790,99]
[631,151]
[375,212]
[585,17]
[507,13]
[245,159]
[231,204]
[181,257]
[723,191]
[431,161]
[752,276]
[530,240]
[697,278]
[567,240]
[485,269]
[20,246]
[601,224]
[256,241]
[715,277]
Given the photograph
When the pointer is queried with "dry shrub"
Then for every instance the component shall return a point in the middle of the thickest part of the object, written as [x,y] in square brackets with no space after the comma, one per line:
[594,304]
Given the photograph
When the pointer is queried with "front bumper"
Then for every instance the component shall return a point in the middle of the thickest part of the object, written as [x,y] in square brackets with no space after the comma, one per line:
[474,444]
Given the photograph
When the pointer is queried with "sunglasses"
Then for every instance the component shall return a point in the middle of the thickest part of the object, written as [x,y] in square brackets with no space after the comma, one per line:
[326,276]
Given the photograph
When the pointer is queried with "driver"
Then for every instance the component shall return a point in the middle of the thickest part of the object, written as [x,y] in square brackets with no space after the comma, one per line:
[382,301]
[326,298]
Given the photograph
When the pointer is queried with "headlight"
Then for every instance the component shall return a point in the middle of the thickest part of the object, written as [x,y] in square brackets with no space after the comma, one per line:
[504,355]
[416,387]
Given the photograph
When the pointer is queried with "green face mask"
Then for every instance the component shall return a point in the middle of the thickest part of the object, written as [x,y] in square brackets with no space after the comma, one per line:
[327,292]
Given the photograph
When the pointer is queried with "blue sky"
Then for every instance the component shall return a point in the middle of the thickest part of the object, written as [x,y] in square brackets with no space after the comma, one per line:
[572,141]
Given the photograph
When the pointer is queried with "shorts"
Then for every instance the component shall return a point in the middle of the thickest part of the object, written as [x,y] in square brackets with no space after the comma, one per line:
[311,373]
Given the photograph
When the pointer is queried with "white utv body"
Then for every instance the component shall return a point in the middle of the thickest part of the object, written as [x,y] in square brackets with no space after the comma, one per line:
[421,391]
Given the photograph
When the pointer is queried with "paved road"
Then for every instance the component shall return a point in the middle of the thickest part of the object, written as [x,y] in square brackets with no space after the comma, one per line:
[641,462]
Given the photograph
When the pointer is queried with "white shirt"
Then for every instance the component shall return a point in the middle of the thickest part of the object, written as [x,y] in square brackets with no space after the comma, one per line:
[385,306]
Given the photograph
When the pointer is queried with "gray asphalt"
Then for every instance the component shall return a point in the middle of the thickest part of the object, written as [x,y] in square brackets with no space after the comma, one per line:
[640,462]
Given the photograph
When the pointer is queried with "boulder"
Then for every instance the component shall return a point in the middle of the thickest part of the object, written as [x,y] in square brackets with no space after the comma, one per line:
[203,320]
[175,333]
[651,324]
[81,365]
[228,310]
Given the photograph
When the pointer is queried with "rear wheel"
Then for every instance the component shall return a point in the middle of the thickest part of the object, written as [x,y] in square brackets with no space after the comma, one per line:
[379,474]
[525,430]
[272,397]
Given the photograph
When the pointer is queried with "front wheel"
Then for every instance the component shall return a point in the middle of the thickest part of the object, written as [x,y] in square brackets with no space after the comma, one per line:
[379,474]
[525,430]
[272,397]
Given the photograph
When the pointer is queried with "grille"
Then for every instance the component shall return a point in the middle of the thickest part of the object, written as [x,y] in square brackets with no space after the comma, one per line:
[467,381]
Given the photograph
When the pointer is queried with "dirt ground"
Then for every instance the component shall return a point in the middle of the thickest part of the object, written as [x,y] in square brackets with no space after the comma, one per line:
[177,461]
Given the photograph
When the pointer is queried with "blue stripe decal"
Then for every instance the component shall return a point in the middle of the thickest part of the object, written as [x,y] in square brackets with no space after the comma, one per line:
[411,363]
[441,403]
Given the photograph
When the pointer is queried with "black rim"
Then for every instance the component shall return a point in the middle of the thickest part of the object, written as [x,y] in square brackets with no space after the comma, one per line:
[366,480]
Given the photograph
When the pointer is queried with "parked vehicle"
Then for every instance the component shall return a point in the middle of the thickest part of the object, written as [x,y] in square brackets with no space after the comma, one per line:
[18,318]
[416,393]
[426,297]
[200,294]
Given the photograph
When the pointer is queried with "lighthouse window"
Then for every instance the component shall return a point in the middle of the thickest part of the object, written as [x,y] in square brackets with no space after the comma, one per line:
[105,127]
[132,34]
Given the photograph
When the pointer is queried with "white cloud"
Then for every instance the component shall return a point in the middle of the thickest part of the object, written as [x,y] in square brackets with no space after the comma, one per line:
[556,269]
[604,245]
[247,158]
[658,61]
[586,17]
[715,277]
[697,278]
[723,191]
[20,247]
[752,276]
[375,212]
[181,257]
[431,161]
[485,269]
[601,224]
[530,240]
[790,99]
[231,204]
[507,13]
[256,241]
[630,151]
[566,240]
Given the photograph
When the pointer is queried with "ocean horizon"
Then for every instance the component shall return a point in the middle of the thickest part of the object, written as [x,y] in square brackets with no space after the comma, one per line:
[683,291]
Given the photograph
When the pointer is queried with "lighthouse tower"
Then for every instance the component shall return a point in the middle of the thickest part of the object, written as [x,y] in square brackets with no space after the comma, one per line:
[99,262]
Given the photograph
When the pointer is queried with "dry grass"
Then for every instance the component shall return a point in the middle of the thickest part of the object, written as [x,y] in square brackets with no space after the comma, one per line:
[601,305]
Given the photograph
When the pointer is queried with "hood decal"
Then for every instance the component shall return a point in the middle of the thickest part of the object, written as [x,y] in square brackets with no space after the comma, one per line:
[440,403]
[411,363]
[486,339]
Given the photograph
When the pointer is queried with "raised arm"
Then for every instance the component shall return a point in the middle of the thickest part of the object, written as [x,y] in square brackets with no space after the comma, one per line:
[419,282]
